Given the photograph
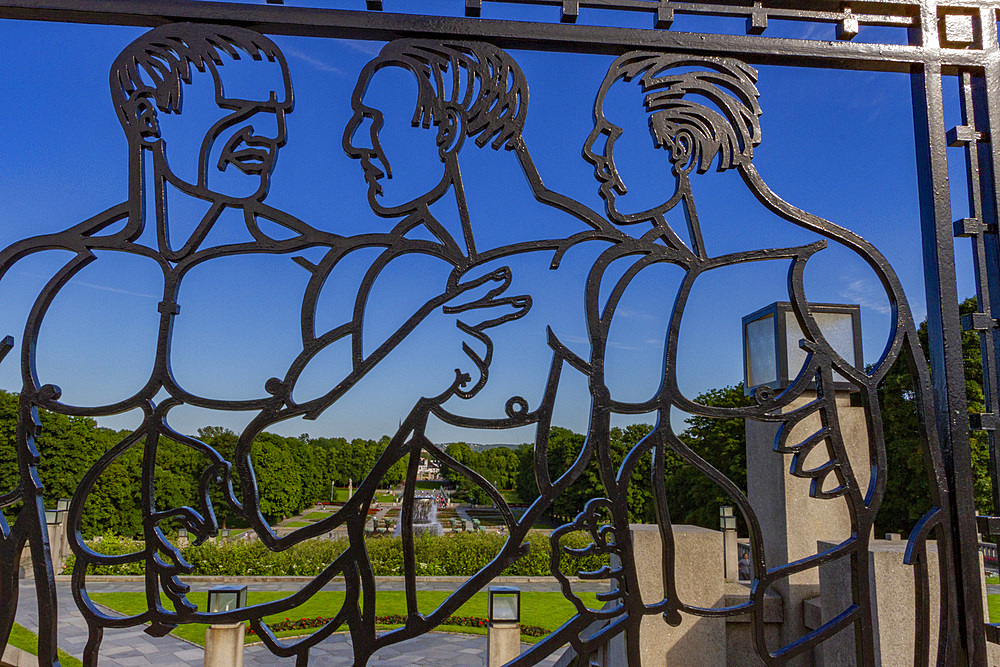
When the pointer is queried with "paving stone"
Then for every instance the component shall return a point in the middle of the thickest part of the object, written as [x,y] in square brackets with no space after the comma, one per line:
[190,654]
[109,650]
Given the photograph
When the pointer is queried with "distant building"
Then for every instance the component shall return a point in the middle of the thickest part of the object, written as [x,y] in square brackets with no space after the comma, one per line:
[429,469]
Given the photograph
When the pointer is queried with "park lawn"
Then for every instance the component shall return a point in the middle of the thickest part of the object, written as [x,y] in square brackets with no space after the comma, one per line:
[546,610]
[993,579]
[297,524]
[26,640]
[315,516]
[427,484]
[384,498]
[994,606]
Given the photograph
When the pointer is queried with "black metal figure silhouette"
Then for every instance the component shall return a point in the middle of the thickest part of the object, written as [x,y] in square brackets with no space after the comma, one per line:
[465,91]
[702,111]
[229,171]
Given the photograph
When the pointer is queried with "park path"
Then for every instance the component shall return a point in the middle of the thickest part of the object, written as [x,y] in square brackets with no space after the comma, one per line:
[132,646]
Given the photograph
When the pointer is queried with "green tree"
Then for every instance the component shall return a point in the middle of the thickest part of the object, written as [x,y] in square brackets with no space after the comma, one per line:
[907,495]
[692,496]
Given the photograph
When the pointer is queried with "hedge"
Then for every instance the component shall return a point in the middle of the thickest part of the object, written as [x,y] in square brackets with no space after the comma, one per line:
[399,619]
[461,554]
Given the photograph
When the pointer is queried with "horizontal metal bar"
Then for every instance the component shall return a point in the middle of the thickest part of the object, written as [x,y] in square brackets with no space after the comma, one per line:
[336,23]
[651,6]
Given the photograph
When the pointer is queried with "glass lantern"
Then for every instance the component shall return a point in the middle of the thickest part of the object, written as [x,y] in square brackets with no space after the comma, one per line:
[505,604]
[226,598]
[772,356]
[727,520]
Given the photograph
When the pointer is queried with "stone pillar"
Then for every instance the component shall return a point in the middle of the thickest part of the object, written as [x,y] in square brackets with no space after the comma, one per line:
[732,555]
[224,645]
[700,579]
[792,523]
[58,544]
[893,605]
[893,612]
[503,643]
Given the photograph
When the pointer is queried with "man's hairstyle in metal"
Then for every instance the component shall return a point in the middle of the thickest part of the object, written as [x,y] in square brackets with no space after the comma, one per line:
[700,106]
[477,81]
[151,69]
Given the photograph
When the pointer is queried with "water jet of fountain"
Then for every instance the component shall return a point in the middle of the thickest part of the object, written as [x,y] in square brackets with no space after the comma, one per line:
[424,517]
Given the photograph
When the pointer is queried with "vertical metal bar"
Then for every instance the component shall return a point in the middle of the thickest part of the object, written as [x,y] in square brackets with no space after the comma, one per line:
[988,95]
[979,162]
[945,337]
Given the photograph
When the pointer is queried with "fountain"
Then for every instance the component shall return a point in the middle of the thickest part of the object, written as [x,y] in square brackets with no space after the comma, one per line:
[424,517]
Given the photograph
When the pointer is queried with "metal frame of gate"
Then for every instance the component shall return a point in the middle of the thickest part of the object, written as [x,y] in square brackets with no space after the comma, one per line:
[957,38]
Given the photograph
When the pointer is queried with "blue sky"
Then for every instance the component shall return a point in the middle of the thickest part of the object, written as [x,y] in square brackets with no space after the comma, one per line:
[838,144]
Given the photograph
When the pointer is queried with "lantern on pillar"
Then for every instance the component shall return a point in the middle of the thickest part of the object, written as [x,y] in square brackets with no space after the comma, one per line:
[505,604]
[772,356]
[226,598]
[727,520]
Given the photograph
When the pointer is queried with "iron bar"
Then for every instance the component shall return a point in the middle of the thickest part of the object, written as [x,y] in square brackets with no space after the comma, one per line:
[357,24]
[945,335]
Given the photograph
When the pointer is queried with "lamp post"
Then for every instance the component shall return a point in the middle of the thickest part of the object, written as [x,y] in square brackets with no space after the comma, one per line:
[730,555]
[503,636]
[792,519]
[224,643]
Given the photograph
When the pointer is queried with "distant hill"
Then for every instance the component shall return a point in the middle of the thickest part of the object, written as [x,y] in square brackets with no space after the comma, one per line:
[477,447]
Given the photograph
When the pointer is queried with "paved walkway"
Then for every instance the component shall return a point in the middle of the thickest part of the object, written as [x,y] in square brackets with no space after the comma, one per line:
[133,646]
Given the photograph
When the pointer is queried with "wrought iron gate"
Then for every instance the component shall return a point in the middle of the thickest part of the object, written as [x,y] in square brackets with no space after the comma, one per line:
[700,93]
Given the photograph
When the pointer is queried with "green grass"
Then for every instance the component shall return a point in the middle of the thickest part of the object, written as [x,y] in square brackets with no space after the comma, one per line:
[427,484]
[297,524]
[547,610]
[384,498]
[994,579]
[487,517]
[994,606]
[26,640]
[315,516]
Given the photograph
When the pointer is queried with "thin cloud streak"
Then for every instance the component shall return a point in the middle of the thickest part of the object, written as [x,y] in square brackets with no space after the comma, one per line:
[316,63]
[102,288]
[617,346]
[865,294]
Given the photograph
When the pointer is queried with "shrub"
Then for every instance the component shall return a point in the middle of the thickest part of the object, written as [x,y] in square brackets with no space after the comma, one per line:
[461,554]
[398,619]
[113,545]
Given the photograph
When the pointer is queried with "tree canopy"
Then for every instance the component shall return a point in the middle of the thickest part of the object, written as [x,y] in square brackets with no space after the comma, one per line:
[295,472]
